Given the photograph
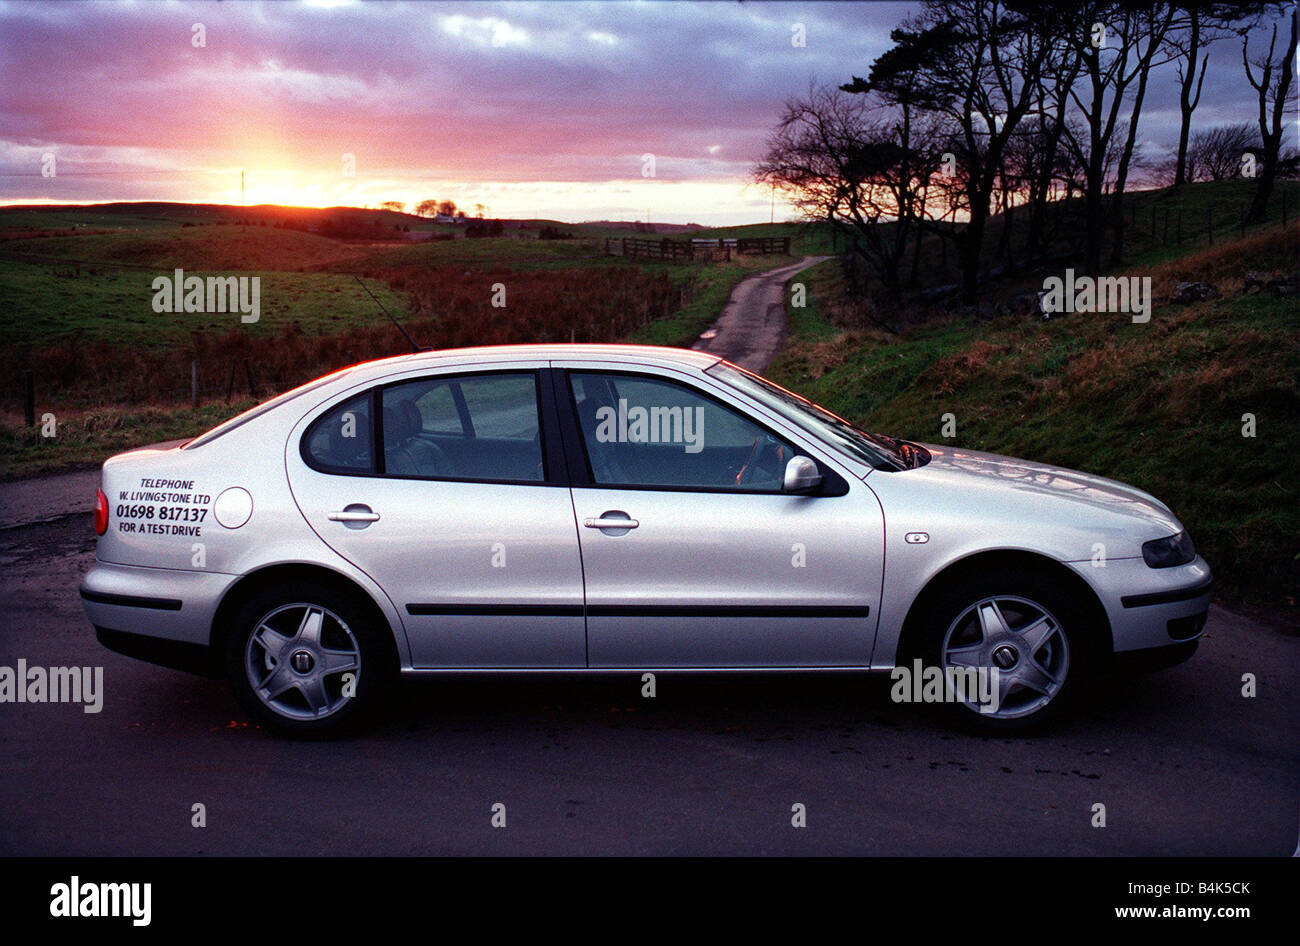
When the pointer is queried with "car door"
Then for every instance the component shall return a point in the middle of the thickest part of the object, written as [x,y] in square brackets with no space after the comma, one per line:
[440,487]
[693,556]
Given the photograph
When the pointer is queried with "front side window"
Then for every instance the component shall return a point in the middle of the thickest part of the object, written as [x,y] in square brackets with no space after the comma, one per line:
[645,431]
[882,453]
[469,427]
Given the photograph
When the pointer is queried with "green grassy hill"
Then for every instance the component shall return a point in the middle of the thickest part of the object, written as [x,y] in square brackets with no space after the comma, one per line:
[199,248]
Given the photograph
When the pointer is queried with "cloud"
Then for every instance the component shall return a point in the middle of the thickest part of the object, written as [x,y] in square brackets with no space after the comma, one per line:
[458,96]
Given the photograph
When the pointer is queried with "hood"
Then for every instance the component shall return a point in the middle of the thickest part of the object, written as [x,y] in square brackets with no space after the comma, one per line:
[1037,482]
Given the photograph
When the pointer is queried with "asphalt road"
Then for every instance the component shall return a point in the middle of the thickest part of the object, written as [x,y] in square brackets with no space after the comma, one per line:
[752,325]
[1184,764]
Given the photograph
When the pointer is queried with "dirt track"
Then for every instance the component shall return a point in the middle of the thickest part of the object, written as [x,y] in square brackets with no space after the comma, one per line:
[752,325]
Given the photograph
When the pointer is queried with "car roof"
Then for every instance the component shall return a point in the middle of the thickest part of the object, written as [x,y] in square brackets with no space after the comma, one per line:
[367,372]
[632,354]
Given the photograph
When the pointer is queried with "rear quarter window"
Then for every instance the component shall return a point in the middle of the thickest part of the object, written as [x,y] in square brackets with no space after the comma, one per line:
[340,440]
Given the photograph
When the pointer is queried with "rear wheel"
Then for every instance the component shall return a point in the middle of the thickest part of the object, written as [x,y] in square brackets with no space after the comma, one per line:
[1015,651]
[307,660]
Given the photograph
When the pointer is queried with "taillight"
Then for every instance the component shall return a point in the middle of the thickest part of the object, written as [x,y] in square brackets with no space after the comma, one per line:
[101,512]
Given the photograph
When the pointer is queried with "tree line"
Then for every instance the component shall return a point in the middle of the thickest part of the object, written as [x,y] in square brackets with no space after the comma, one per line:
[982,107]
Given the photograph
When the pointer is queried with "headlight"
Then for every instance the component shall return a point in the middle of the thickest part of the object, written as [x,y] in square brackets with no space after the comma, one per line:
[1165,553]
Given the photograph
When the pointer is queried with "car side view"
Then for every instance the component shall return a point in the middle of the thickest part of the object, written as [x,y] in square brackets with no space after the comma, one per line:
[610,507]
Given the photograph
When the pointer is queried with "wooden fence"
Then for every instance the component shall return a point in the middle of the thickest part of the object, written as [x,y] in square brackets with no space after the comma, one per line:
[701,250]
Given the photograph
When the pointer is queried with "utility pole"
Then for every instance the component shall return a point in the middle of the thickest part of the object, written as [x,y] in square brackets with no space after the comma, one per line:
[242,202]
[772,219]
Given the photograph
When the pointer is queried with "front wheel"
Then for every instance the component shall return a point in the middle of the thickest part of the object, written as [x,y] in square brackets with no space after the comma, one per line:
[307,660]
[1015,651]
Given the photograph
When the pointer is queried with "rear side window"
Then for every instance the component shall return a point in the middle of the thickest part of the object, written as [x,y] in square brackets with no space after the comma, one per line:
[340,441]
[464,427]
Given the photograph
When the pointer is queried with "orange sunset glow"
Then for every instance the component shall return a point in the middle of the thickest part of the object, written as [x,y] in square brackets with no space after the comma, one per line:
[568,111]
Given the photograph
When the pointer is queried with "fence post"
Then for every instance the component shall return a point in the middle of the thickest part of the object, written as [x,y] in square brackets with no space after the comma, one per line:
[29,399]
[1209,224]
[194,383]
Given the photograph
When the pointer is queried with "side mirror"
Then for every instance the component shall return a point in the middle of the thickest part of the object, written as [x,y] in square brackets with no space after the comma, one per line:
[801,476]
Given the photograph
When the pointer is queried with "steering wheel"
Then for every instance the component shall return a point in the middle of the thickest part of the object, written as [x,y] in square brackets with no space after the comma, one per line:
[758,453]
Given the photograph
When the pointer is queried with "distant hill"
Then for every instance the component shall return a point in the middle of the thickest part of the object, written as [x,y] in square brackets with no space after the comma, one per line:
[146,213]
[664,228]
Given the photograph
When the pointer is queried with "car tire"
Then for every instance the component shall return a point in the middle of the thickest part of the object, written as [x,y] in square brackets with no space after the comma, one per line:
[1029,626]
[291,651]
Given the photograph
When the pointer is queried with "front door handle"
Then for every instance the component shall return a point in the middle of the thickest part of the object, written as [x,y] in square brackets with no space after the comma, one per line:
[605,522]
[354,515]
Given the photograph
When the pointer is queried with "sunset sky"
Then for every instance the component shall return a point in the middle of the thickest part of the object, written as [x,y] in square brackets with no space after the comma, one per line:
[532,109]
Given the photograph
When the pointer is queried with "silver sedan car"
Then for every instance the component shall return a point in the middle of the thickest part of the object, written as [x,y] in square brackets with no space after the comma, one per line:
[619,508]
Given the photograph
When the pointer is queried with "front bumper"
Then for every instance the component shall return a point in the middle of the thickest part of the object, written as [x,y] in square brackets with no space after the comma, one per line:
[1151,607]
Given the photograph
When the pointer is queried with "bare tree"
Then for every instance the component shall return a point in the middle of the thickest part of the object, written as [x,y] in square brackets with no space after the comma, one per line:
[1155,21]
[1273,88]
[1119,44]
[396,206]
[1038,152]
[1197,25]
[1216,153]
[427,208]
[861,166]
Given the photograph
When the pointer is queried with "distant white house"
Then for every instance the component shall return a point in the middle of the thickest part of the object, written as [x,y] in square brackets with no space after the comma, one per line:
[445,218]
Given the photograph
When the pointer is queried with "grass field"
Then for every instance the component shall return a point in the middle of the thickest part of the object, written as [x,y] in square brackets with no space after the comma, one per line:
[78,309]
[110,296]
[86,437]
[58,302]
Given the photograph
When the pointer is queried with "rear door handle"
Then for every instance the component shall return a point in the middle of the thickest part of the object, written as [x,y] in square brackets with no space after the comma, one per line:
[354,512]
[604,522]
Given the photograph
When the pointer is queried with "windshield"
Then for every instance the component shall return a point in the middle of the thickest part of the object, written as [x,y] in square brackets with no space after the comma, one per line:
[255,412]
[883,453]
